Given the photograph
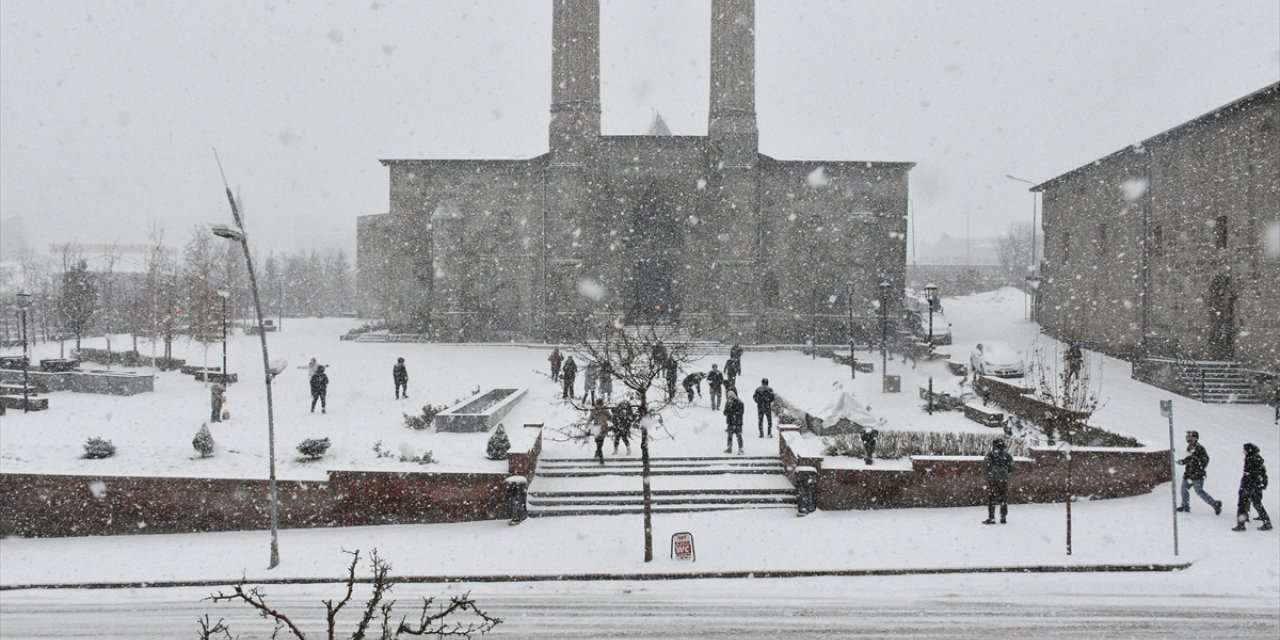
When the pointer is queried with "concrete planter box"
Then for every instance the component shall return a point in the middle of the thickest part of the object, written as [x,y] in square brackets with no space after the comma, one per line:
[478,413]
[101,382]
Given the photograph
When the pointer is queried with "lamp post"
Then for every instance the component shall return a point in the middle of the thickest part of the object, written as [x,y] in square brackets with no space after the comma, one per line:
[931,297]
[1034,223]
[24,303]
[884,333]
[853,360]
[224,294]
[269,373]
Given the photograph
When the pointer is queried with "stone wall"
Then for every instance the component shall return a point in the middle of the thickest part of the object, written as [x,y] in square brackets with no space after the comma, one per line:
[960,481]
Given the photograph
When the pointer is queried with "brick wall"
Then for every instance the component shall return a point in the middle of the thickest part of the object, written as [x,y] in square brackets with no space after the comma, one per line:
[959,481]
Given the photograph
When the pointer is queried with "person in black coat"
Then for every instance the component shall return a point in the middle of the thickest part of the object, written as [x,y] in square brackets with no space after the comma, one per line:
[401,377]
[624,416]
[715,382]
[735,354]
[764,398]
[672,372]
[1252,483]
[319,389]
[1196,462]
[567,374]
[555,359]
[693,381]
[732,368]
[733,410]
[869,437]
[999,466]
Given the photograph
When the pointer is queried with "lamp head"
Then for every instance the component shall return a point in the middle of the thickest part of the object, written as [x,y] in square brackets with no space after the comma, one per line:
[24,300]
[223,231]
[931,292]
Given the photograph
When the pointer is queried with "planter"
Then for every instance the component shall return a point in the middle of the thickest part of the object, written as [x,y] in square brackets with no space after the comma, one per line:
[478,413]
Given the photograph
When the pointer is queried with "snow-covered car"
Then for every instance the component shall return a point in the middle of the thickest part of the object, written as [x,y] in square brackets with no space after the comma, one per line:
[918,323]
[998,359]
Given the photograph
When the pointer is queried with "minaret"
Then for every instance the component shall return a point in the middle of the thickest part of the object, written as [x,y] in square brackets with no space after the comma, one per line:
[575,80]
[732,115]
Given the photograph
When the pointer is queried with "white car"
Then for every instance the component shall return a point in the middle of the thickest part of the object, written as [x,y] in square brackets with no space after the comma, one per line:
[918,323]
[998,359]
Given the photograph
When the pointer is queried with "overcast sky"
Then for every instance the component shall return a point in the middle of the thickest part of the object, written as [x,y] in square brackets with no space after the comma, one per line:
[109,109]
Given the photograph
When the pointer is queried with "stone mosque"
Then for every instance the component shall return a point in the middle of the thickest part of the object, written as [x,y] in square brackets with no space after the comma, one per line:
[703,232]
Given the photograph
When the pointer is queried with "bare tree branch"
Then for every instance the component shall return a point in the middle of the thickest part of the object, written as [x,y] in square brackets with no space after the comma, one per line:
[256,598]
[435,624]
[331,609]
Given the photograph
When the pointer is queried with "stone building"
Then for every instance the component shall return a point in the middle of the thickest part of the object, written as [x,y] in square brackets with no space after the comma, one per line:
[1170,248]
[701,231]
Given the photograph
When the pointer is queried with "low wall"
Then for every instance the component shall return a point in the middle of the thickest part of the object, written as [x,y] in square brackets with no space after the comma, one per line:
[117,384]
[59,505]
[960,481]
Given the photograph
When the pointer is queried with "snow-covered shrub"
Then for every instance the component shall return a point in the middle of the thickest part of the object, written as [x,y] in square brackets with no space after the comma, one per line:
[426,457]
[499,444]
[381,452]
[95,448]
[900,444]
[203,442]
[312,448]
[423,421]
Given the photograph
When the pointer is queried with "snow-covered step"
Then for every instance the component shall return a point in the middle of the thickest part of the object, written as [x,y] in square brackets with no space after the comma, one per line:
[608,510]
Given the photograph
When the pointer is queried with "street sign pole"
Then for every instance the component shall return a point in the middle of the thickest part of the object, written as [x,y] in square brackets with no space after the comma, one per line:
[1166,410]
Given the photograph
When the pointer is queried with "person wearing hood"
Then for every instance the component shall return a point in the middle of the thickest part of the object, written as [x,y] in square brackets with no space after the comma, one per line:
[999,465]
[1252,483]
[217,398]
[733,410]
[400,375]
[555,359]
[567,374]
[319,389]
[869,437]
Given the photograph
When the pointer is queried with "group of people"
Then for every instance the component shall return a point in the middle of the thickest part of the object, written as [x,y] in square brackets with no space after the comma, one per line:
[616,421]
[597,378]
[1252,482]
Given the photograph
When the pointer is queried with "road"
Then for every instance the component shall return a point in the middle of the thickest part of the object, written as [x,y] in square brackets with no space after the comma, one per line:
[823,608]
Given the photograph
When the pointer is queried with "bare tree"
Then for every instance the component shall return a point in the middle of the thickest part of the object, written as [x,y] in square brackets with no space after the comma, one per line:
[636,357]
[1014,250]
[1064,378]
[429,620]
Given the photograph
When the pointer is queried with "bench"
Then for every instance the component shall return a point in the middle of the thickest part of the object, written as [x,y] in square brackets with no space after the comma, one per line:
[941,401]
[15,402]
[191,369]
[216,376]
[13,362]
[988,417]
[16,390]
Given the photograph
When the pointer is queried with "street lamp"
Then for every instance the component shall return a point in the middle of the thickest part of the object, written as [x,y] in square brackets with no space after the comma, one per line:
[853,361]
[224,294]
[237,234]
[931,297]
[884,332]
[1034,223]
[24,303]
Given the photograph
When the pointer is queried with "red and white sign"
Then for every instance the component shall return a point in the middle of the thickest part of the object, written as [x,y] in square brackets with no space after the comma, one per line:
[682,546]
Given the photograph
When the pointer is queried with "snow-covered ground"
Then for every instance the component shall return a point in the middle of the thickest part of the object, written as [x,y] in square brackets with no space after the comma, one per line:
[153,432]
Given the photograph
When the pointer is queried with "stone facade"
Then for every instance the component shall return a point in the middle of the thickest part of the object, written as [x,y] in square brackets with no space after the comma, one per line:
[1171,247]
[702,230]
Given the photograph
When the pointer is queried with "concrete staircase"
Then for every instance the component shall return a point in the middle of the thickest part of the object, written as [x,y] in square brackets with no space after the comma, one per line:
[582,486]
[1216,382]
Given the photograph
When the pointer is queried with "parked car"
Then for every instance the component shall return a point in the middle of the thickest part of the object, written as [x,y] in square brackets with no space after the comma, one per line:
[993,358]
[918,323]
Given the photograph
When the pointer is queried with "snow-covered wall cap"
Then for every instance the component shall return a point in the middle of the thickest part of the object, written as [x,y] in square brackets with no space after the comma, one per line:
[806,469]
[516,480]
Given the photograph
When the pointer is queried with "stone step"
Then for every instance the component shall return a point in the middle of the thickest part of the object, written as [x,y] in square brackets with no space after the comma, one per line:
[638,500]
[631,510]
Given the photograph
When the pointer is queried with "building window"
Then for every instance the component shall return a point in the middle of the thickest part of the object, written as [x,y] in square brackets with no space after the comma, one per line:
[1157,241]
[770,291]
[1066,246]
[1102,238]
[1220,232]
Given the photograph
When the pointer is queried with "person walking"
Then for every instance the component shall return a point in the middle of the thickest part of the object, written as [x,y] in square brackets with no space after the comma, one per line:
[606,382]
[1074,360]
[999,466]
[590,374]
[735,354]
[1193,476]
[764,397]
[624,415]
[217,398]
[401,377]
[693,382]
[869,437]
[733,410]
[319,389]
[673,372]
[555,359]
[658,355]
[568,374]
[732,368]
[715,384]
[599,427]
[1252,483]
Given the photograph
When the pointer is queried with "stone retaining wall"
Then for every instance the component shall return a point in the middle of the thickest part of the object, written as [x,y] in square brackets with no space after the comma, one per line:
[958,481]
